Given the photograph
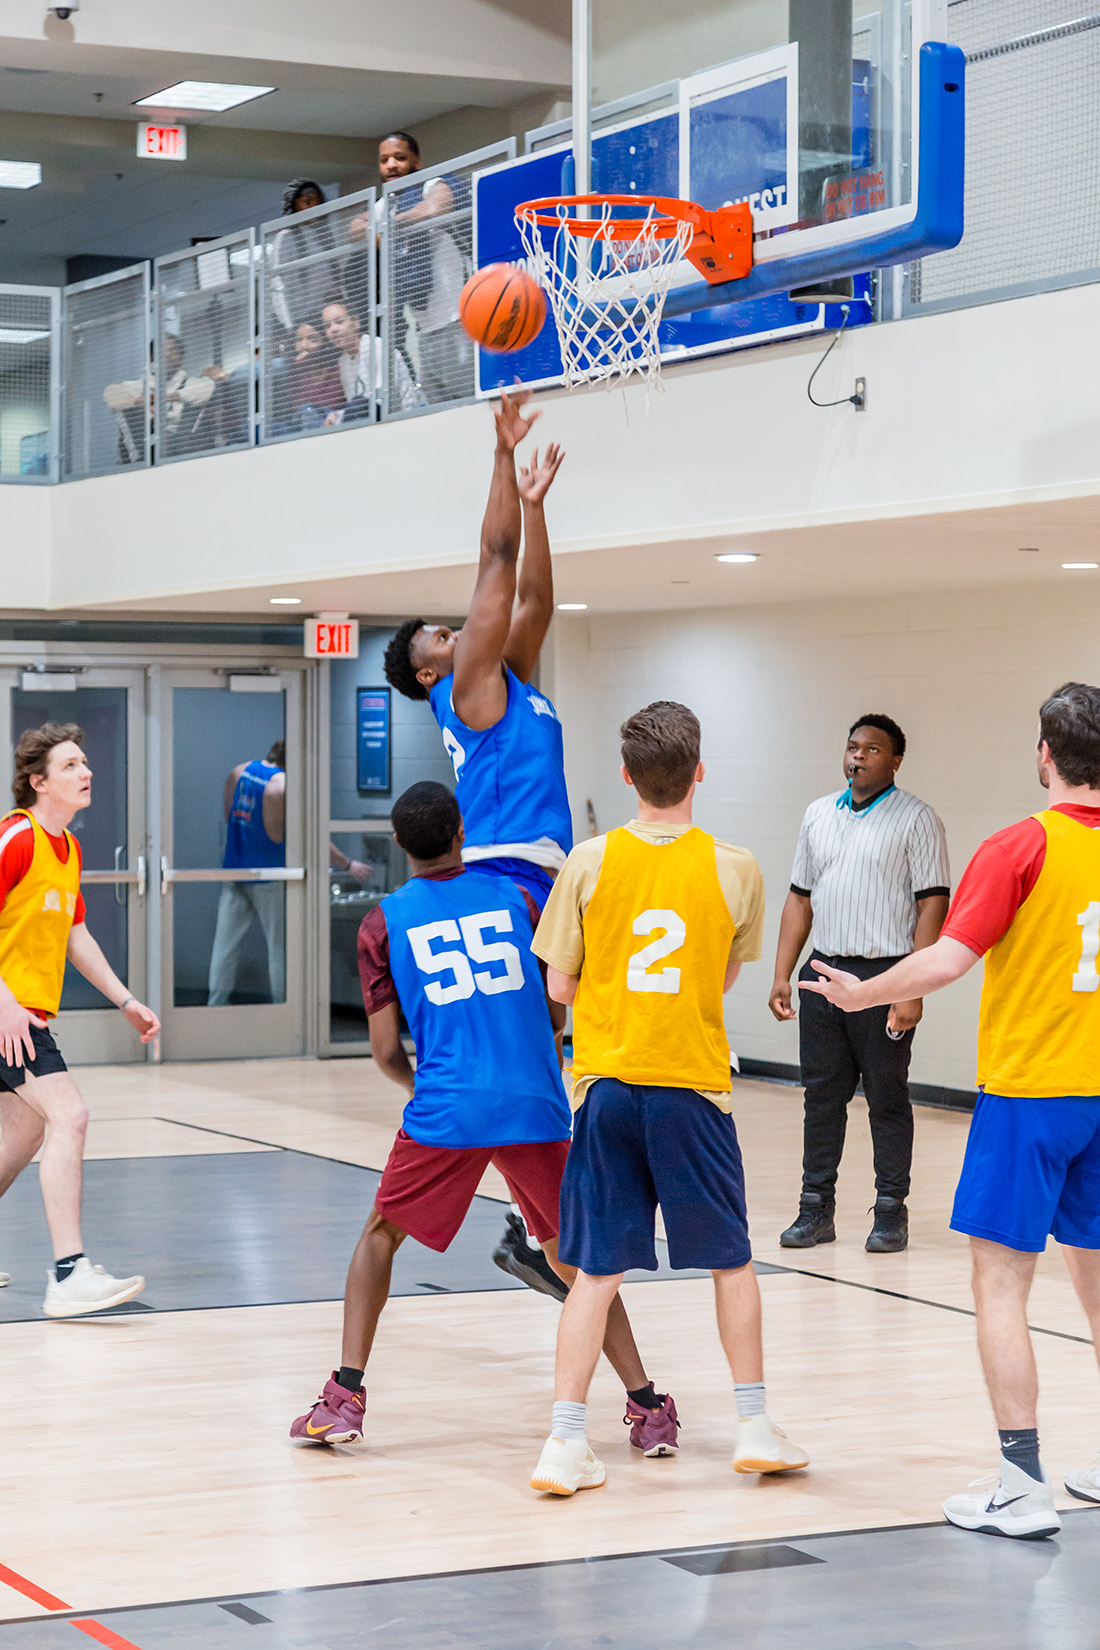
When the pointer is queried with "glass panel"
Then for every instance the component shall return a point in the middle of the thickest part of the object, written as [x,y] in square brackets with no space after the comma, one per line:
[25,323]
[352,893]
[229,943]
[229,939]
[100,829]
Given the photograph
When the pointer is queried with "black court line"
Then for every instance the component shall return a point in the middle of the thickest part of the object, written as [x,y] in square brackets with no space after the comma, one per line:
[701,1549]
[919,1300]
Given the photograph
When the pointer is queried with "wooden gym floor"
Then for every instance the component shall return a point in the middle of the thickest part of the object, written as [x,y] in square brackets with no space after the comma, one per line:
[144,1457]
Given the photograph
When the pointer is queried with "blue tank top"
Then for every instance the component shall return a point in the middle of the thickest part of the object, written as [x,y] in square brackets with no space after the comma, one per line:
[510,777]
[472,993]
[246,841]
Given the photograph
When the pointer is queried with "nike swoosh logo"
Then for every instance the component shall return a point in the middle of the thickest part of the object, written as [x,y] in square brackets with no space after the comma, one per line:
[315,1432]
[999,1506]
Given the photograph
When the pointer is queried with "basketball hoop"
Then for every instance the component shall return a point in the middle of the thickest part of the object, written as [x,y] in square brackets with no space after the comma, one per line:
[607,277]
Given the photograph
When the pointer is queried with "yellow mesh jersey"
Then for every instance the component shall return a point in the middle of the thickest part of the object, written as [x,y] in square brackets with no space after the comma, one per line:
[657,937]
[1039,1029]
[35,922]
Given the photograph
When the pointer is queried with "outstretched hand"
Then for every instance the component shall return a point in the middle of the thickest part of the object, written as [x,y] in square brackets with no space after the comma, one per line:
[511,425]
[534,479]
[836,986]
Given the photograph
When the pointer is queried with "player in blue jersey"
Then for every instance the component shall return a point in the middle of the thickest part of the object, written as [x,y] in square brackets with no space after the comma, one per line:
[502,736]
[255,832]
[452,948]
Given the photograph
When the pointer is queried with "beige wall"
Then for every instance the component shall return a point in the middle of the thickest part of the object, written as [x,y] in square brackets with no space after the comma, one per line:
[776,689]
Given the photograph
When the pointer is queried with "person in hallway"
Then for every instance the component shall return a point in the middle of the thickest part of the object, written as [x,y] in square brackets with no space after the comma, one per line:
[255,816]
[871,880]
[452,950]
[503,737]
[644,932]
[43,922]
[1028,902]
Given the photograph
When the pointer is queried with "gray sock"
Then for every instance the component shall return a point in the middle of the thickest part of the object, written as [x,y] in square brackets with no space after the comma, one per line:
[750,1398]
[568,1419]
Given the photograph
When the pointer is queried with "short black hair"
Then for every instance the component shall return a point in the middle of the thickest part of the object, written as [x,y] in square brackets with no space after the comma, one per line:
[885,724]
[402,137]
[1069,721]
[426,820]
[397,665]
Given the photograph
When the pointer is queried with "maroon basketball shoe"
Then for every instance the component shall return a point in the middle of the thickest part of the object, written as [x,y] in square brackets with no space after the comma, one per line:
[653,1431]
[336,1417]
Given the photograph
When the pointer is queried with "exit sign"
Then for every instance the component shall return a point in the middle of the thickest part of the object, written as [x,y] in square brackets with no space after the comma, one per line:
[161,142]
[332,638]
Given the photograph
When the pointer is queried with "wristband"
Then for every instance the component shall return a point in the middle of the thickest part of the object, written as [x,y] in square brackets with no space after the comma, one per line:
[130,999]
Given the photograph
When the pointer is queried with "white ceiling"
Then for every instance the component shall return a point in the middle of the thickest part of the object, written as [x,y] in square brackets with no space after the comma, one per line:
[868,561]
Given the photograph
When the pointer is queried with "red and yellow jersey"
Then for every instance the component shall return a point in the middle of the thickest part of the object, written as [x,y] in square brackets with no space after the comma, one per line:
[41,901]
[1039,1028]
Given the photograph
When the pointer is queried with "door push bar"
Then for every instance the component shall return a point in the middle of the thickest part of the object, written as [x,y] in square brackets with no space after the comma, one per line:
[239,873]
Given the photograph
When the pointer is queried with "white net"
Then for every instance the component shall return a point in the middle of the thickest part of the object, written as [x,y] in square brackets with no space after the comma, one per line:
[607,287]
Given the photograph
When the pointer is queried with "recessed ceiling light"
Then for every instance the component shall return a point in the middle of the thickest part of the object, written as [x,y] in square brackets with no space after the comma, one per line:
[20,174]
[285,601]
[13,335]
[572,607]
[1081,564]
[737,555]
[202,94]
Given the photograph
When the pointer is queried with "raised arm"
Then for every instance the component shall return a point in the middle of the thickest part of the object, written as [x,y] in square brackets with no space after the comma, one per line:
[535,584]
[480,692]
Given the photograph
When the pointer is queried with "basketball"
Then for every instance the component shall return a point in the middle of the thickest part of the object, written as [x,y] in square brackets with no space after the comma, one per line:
[502,308]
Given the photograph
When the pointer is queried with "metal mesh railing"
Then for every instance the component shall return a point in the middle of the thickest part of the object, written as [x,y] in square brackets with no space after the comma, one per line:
[1032,155]
[107,384]
[320,366]
[427,256]
[205,331]
[28,379]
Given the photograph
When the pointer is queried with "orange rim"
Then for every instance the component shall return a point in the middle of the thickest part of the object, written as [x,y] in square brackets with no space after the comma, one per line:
[673,212]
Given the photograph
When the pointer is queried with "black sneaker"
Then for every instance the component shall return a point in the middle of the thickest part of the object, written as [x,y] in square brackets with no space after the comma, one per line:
[514,1255]
[890,1233]
[813,1225]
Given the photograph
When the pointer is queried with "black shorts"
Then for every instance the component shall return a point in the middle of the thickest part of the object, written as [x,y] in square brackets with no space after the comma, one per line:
[47,1058]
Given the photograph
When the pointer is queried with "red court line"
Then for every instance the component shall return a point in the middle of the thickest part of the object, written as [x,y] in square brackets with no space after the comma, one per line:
[39,1595]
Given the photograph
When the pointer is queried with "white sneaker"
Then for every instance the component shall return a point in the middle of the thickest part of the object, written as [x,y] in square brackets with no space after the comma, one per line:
[567,1465]
[1008,1502]
[764,1447]
[1085,1485]
[5,1279]
[87,1288]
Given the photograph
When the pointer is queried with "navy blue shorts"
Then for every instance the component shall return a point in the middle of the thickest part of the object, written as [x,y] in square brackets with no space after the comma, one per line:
[47,1059]
[634,1148]
[537,882]
[1032,1167]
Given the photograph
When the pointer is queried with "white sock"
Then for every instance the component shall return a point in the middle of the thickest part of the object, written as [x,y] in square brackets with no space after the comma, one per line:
[568,1419]
[750,1398]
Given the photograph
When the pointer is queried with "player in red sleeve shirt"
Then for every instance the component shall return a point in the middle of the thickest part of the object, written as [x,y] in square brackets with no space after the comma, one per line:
[1029,902]
[42,924]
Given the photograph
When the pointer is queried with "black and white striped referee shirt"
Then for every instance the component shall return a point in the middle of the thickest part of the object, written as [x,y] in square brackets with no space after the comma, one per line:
[865,870]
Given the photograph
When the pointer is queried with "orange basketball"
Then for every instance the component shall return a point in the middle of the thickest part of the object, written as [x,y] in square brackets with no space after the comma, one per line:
[502,308]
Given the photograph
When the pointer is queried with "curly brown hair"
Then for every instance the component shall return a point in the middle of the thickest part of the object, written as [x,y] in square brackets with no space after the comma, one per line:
[33,753]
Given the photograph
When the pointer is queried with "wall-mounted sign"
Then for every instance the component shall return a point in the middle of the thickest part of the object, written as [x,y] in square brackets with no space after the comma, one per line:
[161,142]
[372,729]
[332,638]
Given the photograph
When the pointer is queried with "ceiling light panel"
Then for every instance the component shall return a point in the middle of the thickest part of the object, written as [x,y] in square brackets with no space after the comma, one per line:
[20,174]
[210,95]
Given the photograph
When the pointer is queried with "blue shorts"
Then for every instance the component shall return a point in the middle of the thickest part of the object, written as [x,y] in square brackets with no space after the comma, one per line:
[634,1148]
[1032,1167]
[537,881]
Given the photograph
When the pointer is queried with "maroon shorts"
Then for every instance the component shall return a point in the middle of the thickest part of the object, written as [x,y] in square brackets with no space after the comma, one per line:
[426,1191]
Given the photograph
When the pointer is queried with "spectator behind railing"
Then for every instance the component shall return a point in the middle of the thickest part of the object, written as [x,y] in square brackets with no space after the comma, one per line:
[298,290]
[429,264]
[344,331]
[309,387]
[185,398]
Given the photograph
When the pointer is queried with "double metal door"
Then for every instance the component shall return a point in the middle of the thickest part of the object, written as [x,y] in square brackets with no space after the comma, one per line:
[218,953]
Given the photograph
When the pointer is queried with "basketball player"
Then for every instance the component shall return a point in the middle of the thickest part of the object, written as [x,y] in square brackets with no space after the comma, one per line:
[644,931]
[451,948]
[503,738]
[1028,902]
[42,921]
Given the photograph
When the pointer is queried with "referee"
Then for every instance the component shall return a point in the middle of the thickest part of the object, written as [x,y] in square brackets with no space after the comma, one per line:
[871,878]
